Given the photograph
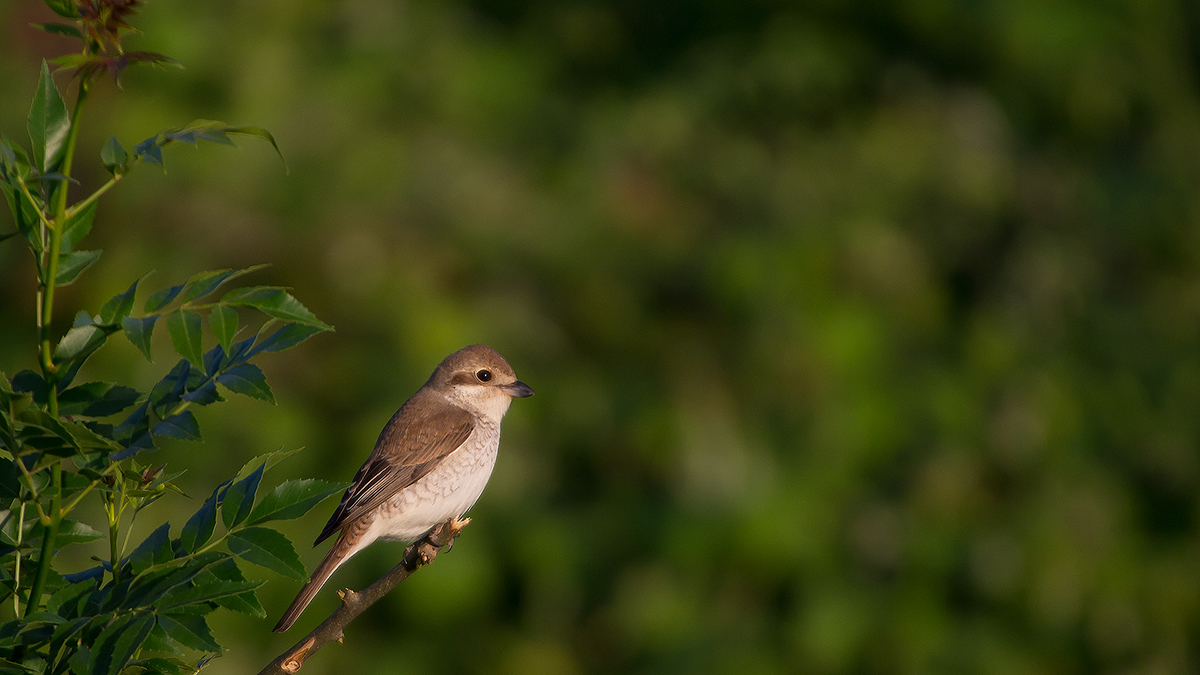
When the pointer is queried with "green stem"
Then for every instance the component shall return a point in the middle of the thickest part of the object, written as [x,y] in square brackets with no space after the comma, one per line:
[60,224]
[84,203]
[52,520]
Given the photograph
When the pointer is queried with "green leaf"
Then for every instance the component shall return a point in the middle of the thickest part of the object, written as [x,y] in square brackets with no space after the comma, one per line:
[10,480]
[204,283]
[76,342]
[204,592]
[247,379]
[287,337]
[71,265]
[113,155]
[120,305]
[199,528]
[150,150]
[163,666]
[117,644]
[246,603]
[75,348]
[48,122]
[64,8]
[293,498]
[190,631]
[69,532]
[160,299]
[263,134]
[239,499]
[155,549]
[96,399]
[79,225]
[224,323]
[182,426]
[275,302]
[139,332]
[267,548]
[184,326]
[59,28]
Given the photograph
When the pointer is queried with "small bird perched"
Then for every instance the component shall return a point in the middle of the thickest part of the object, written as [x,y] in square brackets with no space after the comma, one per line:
[430,464]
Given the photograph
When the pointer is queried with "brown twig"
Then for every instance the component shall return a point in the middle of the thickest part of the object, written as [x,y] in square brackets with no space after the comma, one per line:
[418,554]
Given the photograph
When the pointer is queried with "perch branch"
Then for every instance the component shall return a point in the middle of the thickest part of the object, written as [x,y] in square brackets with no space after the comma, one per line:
[354,603]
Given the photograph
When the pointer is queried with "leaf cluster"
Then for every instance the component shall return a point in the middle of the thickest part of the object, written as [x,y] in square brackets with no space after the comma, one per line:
[63,440]
[155,599]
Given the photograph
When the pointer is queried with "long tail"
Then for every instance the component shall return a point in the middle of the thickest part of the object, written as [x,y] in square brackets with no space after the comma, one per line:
[343,549]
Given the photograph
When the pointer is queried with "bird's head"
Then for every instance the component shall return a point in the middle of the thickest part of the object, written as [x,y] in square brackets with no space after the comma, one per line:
[478,379]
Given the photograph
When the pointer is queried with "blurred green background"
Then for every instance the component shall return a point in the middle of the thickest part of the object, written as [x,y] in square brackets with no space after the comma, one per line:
[864,333]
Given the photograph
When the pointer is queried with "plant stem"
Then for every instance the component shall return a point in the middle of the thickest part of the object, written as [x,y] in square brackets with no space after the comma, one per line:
[48,368]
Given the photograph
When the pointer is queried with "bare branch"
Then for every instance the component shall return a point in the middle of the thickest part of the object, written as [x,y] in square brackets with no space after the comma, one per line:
[418,554]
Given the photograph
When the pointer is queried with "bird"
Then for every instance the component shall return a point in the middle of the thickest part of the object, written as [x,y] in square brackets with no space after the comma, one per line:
[430,463]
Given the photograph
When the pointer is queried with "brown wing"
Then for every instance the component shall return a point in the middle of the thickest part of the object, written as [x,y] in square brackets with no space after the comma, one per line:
[410,446]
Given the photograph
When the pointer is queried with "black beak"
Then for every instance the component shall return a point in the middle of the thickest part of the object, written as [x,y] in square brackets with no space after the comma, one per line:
[517,389]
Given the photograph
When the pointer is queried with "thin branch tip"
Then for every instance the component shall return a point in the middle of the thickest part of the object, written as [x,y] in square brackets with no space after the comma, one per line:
[353,603]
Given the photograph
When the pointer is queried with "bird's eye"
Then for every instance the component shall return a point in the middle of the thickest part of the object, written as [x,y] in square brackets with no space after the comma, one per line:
[484,375]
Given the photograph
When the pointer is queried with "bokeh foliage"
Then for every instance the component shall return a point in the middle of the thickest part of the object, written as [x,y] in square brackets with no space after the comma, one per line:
[864,334]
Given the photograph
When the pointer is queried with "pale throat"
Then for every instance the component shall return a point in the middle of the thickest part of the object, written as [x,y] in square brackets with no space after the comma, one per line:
[488,403]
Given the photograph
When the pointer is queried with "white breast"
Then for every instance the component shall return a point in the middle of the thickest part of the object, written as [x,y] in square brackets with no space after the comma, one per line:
[446,492]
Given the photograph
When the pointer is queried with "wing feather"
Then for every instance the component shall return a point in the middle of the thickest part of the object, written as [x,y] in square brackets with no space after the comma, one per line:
[409,447]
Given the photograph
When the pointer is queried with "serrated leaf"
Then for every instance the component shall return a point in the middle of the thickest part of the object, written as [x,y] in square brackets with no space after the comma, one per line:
[182,426]
[293,498]
[247,379]
[79,225]
[190,631]
[113,155]
[199,528]
[155,549]
[76,342]
[224,323]
[71,265]
[48,122]
[239,499]
[286,337]
[275,302]
[204,592]
[120,305]
[185,328]
[117,644]
[96,399]
[203,283]
[162,298]
[267,548]
[139,331]
[169,391]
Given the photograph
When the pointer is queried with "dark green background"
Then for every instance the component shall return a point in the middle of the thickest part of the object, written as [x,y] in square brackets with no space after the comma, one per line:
[864,334]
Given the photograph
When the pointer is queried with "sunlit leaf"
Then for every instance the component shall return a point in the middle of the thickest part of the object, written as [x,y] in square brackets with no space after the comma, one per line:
[120,305]
[160,299]
[274,302]
[247,379]
[139,331]
[72,264]
[48,122]
[185,328]
[224,323]
[113,155]
[267,548]
[293,498]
